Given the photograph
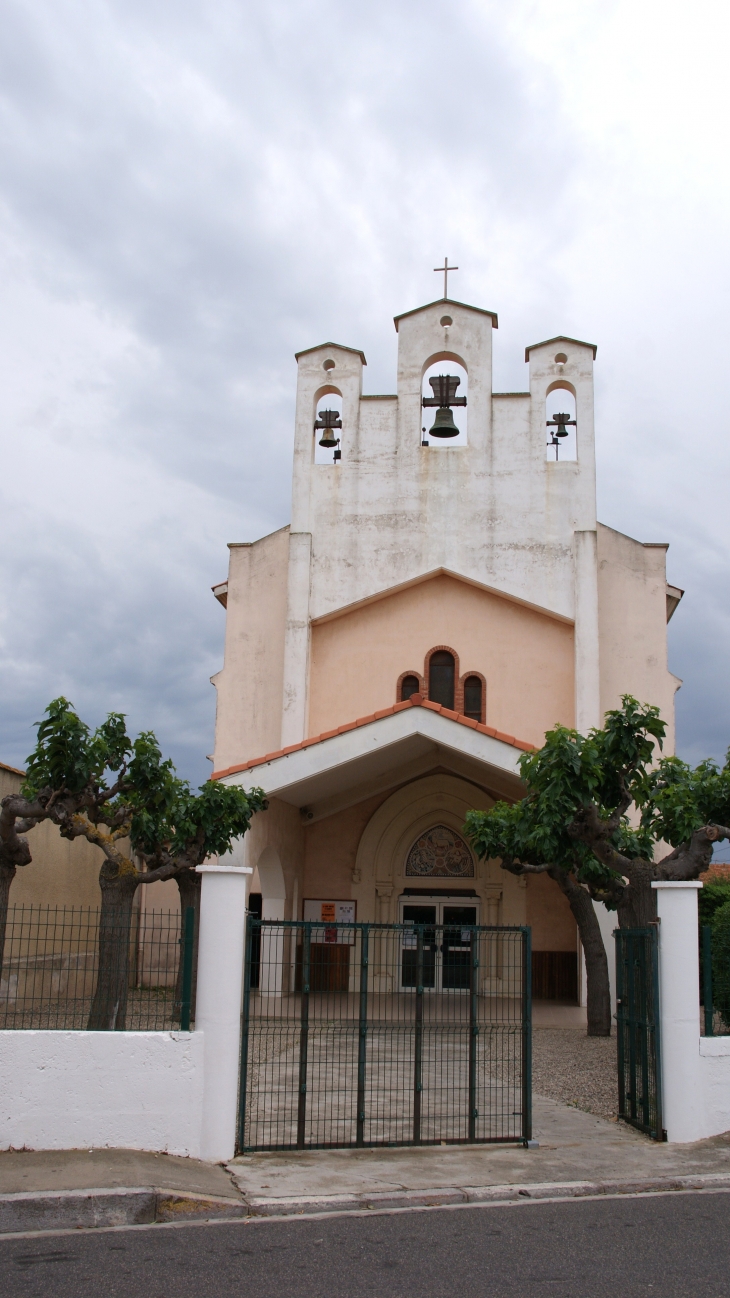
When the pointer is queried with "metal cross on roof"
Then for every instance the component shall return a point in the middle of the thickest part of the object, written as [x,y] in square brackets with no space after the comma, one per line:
[444,270]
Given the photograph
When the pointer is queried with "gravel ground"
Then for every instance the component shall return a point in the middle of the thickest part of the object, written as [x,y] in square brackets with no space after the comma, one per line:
[575,1069]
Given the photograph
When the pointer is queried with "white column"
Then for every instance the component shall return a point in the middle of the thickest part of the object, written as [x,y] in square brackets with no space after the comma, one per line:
[679,1010]
[587,679]
[219,1002]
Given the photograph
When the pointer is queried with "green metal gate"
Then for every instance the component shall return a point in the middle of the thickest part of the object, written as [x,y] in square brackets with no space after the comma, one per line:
[637,1014]
[384,1034]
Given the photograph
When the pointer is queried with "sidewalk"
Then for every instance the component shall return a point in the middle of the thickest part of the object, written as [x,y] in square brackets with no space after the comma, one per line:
[579,1154]
[577,1150]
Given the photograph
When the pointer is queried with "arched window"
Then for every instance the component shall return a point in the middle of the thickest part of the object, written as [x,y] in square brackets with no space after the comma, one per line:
[441,678]
[473,698]
[409,685]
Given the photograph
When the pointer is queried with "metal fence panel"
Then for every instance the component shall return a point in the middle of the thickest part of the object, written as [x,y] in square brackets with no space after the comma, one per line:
[637,1016]
[50,960]
[714,982]
[384,1034]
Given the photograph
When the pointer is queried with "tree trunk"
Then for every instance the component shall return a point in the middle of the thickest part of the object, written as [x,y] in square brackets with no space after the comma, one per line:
[189,885]
[7,874]
[637,907]
[599,989]
[109,1005]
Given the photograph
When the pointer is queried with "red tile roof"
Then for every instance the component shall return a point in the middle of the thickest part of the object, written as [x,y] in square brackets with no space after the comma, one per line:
[415,701]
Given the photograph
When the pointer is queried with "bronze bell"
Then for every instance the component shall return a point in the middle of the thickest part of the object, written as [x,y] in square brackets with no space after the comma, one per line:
[443,424]
[328,420]
[561,420]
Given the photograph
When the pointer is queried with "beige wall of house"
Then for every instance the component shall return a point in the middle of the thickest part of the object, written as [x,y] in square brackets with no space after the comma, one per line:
[250,683]
[62,873]
[632,621]
[525,657]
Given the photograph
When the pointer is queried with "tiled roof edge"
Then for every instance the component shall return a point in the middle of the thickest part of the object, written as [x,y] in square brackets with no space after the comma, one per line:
[415,701]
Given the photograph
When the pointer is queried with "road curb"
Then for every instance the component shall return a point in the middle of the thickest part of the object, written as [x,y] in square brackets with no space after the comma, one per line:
[50,1210]
[86,1209]
[320,1203]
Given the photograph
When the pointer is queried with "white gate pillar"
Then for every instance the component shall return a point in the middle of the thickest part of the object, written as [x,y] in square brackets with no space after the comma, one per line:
[679,1009]
[219,1002]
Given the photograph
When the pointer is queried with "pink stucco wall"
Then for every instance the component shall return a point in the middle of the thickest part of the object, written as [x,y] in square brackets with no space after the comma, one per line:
[525,656]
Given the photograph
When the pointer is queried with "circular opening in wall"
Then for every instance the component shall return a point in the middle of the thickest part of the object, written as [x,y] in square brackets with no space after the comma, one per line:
[446,321]
[328,365]
[561,358]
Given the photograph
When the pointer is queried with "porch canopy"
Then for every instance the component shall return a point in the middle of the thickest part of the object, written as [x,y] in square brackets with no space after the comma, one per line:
[334,770]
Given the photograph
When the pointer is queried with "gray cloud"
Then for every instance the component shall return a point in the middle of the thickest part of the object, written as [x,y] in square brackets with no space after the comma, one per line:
[191,193]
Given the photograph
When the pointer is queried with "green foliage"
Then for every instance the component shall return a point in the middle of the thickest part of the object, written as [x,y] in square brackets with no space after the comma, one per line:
[219,812]
[711,898]
[205,823]
[114,778]
[721,961]
[68,757]
[677,799]
[569,772]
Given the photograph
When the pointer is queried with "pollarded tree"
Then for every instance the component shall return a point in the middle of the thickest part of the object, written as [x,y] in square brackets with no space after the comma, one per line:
[195,826]
[14,852]
[568,775]
[106,788]
[573,825]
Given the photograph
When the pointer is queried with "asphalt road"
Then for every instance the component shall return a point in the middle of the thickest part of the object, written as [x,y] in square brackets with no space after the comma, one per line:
[664,1246]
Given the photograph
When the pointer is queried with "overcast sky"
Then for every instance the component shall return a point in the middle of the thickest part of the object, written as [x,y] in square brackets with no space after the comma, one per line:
[191,192]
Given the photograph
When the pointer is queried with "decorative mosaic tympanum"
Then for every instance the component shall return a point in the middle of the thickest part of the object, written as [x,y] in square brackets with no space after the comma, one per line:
[440,853]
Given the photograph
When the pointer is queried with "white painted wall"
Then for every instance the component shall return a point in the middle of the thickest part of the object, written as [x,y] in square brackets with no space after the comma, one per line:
[715,1066]
[695,1070]
[173,1092]
[121,1090]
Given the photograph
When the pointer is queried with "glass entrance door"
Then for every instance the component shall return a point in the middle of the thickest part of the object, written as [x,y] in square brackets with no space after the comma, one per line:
[456,939]
[446,949]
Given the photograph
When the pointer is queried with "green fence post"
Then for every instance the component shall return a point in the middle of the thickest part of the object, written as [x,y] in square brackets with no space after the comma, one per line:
[362,1034]
[473,1031]
[707,979]
[527,1036]
[245,1020]
[187,978]
[418,1040]
[304,1036]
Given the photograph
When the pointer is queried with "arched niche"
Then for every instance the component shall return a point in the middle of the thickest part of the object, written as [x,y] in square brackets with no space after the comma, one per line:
[445,363]
[327,397]
[379,874]
[560,398]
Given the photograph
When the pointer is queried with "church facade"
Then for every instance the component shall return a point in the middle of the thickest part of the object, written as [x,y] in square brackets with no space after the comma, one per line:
[436,604]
